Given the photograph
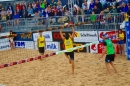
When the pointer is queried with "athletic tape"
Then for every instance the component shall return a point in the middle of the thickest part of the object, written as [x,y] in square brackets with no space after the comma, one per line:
[43,56]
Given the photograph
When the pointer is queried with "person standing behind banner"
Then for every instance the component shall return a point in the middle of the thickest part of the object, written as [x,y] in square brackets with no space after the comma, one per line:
[121,42]
[68,42]
[11,40]
[41,43]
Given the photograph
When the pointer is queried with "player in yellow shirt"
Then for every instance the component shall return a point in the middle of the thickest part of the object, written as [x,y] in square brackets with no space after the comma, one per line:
[68,42]
[41,43]
[121,42]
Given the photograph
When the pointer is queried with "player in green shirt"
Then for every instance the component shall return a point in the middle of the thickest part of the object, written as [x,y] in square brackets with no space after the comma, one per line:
[110,53]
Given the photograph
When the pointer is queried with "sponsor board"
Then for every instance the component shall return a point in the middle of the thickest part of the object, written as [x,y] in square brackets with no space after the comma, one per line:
[23,37]
[86,36]
[93,48]
[4,46]
[62,46]
[111,34]
[127,25]
[56,35]
[4,39]
[24,44]
[47,35]
[101,48]
[53,46]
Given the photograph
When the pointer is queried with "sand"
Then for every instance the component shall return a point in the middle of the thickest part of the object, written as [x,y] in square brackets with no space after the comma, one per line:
[56,71]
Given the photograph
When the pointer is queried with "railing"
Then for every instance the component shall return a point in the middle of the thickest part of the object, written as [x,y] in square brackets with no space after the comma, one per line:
[105,21]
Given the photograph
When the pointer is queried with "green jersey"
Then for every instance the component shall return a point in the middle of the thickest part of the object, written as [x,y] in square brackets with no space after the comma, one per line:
[109,47]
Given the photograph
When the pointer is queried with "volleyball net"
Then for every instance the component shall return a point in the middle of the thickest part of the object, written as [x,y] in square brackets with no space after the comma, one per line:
[26,44]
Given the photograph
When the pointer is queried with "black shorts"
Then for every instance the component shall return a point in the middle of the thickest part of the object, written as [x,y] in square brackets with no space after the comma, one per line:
[110,58]
[41,50]
[71,54]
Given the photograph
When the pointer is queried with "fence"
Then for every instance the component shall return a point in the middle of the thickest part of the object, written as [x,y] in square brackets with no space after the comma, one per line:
[102,22]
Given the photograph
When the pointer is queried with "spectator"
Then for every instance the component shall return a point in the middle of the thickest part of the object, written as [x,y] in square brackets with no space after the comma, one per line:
[59,6]
[42,6]
[80,11]
[3,14]
[36,18]
[59,1]
[22,5]
[17,6]
[9,11]
[98,4]
[37,6]
[66,13]
[124,7]
[96,10]
[30,12]
[11,8]
[24,12]
[16,18]
[75,11]
[29,5]
[93,17]
[34,6]
[91,6]
[0,7]
[85,8]
[9,17]
[53,3]
[59,13]
[113,10]
[1,28]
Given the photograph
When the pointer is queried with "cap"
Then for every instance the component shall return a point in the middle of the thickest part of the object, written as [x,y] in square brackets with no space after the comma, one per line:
[105,35]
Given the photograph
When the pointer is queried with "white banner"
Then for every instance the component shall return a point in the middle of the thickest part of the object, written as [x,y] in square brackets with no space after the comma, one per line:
[24,44]
[86,36]
[53,46]
[94,48]
[4,46]
[47,35]
[4,39]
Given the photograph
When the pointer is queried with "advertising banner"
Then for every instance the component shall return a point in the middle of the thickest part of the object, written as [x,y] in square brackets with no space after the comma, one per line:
[56,36]
[47,35]
[86,36]
[101,48]
[4,46]
[53,46]
[94,48]
[4,39]
[127,26]
[62,46]
[24,44]
[111,34]
[23,37]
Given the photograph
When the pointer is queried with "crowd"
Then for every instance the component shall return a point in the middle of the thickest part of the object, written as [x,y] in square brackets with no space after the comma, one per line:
[44,9]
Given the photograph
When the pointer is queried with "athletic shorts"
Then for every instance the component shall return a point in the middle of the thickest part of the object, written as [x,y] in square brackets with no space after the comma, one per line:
[71,54]
[121,42]
[41,50]
[110,58]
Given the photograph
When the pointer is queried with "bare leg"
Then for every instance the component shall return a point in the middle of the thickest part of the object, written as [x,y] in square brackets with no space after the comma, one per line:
[72,62]
[119,46]
[122,49]
[108,68]
[113,66]
[68,58]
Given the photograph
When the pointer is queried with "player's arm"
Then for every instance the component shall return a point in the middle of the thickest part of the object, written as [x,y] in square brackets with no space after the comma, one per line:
[104,52]
[37,43]
[61,34]
[72,36]
[44,43]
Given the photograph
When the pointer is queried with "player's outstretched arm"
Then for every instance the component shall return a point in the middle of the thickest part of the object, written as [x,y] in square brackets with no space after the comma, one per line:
[103,52]
[73,31]
[61,34]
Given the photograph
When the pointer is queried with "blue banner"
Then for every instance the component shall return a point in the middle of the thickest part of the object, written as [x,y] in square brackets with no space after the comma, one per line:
[23,37]
[128,39]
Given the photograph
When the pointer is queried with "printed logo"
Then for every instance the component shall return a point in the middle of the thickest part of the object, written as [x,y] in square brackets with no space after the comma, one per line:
[76,34]
[51,46]
[47,36]
[93,47]
[20,44]
[5,46]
